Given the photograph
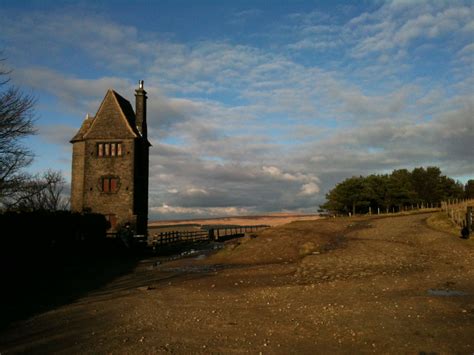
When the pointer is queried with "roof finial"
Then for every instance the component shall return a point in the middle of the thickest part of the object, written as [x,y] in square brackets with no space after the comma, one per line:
[140,84]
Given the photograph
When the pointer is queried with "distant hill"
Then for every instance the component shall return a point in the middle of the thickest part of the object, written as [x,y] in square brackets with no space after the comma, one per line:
[273,219]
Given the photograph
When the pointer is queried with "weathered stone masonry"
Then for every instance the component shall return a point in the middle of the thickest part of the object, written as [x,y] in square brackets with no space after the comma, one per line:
[110,162]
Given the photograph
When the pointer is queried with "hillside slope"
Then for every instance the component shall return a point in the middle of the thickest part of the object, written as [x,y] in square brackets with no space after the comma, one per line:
[379,285]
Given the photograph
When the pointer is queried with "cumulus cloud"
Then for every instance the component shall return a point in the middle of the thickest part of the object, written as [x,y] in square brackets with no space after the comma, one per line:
[79,95]
[184,212]
[239,129]
[57,134]
[231,185]
[446,140]
[394,26]
[309,189]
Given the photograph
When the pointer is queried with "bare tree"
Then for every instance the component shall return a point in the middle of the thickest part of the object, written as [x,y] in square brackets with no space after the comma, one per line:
[45,192]
[52,196]
[16,122]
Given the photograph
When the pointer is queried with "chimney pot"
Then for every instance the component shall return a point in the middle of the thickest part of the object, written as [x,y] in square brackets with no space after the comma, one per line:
[140,84]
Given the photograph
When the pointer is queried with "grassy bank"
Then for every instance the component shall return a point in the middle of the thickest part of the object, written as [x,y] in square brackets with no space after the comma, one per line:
[441,221]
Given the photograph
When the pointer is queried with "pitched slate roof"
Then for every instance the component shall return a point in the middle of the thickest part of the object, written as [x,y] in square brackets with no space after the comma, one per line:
[125,111]
[84,128]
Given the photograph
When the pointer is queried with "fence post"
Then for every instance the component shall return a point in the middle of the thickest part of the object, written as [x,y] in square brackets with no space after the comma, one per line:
[469,218]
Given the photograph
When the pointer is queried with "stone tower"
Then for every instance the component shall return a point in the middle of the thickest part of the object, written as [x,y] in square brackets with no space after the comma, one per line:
[110,162]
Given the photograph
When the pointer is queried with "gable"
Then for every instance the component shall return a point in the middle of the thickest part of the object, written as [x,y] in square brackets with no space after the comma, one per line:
[86,124]
[115,119]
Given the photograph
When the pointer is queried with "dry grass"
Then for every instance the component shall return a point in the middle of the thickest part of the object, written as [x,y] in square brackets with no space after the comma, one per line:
[288,242]
[442,222]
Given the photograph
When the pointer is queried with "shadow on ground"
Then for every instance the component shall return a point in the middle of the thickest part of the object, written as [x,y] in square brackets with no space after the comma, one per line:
[37,283]
[33,284]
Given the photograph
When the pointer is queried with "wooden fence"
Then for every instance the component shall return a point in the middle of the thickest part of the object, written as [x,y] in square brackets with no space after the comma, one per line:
[458,211]
[224,232]
[174,237]
[211,234]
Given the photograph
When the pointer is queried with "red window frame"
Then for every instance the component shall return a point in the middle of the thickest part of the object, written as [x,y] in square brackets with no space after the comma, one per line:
[109,184]
[113,185]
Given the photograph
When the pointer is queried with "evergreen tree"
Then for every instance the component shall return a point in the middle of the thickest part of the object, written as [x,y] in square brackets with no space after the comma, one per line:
[469,189]
[400,189]
[395,191]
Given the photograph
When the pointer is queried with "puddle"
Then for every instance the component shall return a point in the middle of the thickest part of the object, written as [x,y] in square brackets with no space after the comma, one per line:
[192,269]
[205,269]
[199,252]
[446,293]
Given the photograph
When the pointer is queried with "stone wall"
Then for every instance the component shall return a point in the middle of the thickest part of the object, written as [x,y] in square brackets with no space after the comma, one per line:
[119,203]
[77,177]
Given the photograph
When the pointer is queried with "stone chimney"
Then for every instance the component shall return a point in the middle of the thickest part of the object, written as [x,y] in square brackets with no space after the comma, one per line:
[140,109]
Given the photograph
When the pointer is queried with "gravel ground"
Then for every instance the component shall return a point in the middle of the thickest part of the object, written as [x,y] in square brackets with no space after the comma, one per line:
[366,285]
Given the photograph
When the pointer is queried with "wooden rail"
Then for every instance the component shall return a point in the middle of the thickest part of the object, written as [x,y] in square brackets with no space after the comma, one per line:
[173,237]
[212,233]
[223,232]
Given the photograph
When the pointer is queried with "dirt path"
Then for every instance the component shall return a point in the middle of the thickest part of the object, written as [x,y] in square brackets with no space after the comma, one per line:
[328,286]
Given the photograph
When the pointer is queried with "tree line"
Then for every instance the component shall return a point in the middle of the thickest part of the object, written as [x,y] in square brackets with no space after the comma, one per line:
[396,191]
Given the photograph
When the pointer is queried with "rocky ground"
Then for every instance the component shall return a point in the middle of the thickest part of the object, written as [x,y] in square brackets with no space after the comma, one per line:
[367,285]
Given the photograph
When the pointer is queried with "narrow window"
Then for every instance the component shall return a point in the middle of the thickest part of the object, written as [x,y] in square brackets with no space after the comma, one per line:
[109,149]
[113,184]
[106,185]
[109,184]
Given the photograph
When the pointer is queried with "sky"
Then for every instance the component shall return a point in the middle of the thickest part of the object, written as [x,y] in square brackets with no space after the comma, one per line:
[254,106]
